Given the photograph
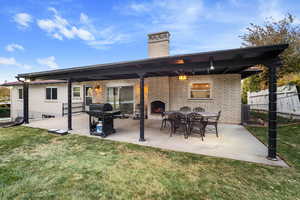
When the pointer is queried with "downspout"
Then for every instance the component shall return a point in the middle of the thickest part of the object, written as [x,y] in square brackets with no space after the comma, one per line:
[23,121]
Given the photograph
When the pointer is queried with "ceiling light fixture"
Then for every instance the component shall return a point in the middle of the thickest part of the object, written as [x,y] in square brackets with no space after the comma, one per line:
[179,61]
[211,60]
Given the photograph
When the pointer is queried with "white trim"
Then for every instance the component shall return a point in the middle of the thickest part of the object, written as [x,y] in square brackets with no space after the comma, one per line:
[84,90]
[78,97]
[45,94]
[118,84]
[19,94]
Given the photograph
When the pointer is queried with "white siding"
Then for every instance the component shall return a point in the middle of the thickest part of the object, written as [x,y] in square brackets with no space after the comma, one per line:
[38,105]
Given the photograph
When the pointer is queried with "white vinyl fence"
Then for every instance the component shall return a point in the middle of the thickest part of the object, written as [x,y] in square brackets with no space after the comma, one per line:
[287,100]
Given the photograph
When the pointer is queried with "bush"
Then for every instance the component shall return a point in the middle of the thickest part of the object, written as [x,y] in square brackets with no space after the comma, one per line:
[4,112]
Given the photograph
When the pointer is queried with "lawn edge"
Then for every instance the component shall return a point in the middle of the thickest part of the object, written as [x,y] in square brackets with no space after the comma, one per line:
[278,154]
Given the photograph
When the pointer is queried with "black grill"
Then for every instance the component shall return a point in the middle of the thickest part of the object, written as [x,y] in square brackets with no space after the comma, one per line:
[105,113]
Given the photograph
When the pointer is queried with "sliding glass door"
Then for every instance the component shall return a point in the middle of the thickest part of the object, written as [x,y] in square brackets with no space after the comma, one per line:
[121,98]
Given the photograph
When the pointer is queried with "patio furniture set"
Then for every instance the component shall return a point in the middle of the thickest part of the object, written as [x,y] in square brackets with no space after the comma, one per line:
[190,121]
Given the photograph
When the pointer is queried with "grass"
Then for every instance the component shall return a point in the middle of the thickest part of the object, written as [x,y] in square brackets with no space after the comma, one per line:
[288,142]
[255,115]
[37,165]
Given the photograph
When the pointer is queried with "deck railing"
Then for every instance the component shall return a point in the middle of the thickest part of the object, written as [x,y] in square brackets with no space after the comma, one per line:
[77,107]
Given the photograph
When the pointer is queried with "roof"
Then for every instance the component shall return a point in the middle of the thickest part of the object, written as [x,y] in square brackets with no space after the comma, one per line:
[38,82]
[225,61]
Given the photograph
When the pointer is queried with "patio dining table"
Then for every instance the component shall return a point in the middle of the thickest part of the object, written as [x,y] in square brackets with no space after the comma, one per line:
[205,115]
[186,113]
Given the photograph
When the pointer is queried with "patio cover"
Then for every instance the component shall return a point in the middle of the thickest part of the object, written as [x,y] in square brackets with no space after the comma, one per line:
[232,61]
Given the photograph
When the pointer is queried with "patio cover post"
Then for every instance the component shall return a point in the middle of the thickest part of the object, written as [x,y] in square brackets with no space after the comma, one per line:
[272,123]
[142,107]
[25,102]
[69,104]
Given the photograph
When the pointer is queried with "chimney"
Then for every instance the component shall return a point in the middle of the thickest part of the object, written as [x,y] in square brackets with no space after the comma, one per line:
[158,44]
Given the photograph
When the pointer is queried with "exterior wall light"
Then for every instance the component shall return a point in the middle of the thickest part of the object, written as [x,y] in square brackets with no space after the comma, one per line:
[98,89]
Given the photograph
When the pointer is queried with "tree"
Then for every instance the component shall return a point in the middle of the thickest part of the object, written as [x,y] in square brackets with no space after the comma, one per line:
[274,32]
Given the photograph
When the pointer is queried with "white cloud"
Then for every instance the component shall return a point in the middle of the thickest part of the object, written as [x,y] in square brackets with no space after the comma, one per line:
[60,28]
[48,61]
[7,61]
[138,7]
[271,9]
[296,20]
[83,34]
[181,18]
[107,37]
[96,37]
[13,47]
[23,19]
[84,19]
[12,62]
[198,26]
[57,36]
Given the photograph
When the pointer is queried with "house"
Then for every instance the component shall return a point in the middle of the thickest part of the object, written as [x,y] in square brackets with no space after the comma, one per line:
[213,92]
[48,98]
[211,80]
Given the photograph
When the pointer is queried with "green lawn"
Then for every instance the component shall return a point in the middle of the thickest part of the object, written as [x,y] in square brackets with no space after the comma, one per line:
[38,165]
[255,115]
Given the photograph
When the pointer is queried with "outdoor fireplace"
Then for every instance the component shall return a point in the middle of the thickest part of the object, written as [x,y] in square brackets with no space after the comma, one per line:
[157,107]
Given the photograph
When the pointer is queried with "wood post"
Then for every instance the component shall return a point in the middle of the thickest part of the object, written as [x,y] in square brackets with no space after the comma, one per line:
[272,126]
[70,104]
[26,102]
[142,107]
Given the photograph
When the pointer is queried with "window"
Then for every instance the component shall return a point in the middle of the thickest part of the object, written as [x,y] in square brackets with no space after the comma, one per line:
[88,91]
[76,91]
[51,93]
[20,91]
[200,91]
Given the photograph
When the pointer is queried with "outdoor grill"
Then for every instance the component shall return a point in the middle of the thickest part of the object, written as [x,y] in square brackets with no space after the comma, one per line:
[102,113]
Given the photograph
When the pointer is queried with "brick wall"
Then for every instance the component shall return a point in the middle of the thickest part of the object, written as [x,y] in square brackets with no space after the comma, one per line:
[225,93]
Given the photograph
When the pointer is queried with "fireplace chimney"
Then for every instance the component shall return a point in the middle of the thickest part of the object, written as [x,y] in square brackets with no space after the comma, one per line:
[158,44]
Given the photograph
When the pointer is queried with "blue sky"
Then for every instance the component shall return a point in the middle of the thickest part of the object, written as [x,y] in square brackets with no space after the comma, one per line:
[41,35]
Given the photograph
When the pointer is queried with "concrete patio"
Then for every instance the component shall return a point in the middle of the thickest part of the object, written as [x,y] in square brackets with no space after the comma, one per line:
[234,141]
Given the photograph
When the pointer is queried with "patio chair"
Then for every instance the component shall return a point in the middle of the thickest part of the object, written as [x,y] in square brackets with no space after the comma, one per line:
[213,121]
[165,119]
[178,120]
[196,121]
[185,109]
[199,109]
[137,112]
